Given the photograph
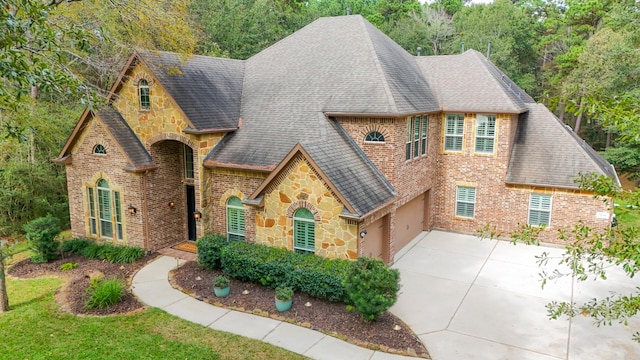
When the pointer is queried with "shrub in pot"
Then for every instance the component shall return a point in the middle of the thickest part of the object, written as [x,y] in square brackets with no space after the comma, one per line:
[284,295]
[221,286]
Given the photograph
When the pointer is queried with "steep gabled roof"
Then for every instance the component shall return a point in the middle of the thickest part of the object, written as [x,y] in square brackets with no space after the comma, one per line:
[359,185]
[468,82]
[341,65]
[547,153]
[138,157]
[207,89]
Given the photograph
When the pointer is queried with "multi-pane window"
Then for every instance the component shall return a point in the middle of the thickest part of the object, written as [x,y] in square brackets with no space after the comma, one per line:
[235,219]
[93,224]
[143,92]
[105,211]
[118,210]
[423,134]
[374,136]
[416,144]
[539,209]
[188,161]
[485,133]
[465,201]
[99,149]
[304,232]
[104,208]
[454,132]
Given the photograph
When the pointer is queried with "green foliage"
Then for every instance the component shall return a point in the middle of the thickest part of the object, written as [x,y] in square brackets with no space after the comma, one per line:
[284,292]
[150,334]
[221,282]
[68,266]
[75,246]
[104,293]
[119,254]
[41,234]
[270,266]
[209,250]
[371,287]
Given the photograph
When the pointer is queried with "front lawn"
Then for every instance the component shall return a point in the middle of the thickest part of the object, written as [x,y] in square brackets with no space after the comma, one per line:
[36,328]
[627,214]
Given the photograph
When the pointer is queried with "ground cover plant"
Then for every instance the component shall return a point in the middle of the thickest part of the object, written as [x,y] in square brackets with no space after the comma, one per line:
[151,334]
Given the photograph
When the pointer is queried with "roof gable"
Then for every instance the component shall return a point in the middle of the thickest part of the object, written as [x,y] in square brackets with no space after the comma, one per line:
[137,156]
[546,153]
[207,89]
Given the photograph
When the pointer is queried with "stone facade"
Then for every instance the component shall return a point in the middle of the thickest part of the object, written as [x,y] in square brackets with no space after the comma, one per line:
[300,186]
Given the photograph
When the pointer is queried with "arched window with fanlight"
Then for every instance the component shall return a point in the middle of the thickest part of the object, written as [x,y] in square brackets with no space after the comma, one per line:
[304,227]
[143,92]
[235,219]
[99,149]
[374,136]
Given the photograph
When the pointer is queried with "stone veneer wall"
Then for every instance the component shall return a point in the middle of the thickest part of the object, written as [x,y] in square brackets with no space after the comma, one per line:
[86,168]
[300,186]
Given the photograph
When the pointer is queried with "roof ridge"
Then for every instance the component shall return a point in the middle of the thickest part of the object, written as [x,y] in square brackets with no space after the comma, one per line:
[485,66]
[378,65]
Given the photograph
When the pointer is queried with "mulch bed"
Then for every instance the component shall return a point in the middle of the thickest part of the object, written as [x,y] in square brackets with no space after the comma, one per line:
[72,296]
[387,333]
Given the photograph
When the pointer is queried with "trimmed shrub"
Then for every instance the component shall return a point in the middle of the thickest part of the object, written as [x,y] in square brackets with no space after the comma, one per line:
[270,266]
[371,287]
[75,246]
[209,250]
[41,234]
[105,292]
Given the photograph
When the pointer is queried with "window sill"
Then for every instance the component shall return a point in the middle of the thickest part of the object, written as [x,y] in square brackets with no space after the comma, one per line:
[463,218]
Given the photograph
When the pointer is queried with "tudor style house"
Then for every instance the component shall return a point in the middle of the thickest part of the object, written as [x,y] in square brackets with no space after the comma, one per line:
[333,141]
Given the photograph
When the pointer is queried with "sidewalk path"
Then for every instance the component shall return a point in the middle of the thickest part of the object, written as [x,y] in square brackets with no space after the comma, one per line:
[151,286]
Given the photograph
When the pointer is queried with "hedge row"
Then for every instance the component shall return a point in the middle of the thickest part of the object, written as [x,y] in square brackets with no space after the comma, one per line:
[271,266]
[105,251]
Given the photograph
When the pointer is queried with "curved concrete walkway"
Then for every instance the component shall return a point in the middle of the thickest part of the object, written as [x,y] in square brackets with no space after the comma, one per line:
[151,286]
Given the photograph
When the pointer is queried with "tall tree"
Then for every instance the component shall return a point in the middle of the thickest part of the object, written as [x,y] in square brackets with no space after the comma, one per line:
[506,33]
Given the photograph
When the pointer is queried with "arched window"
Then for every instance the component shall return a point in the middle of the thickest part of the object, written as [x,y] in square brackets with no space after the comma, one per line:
[143,91]
[235,219]
[374,136]
[99,149]
[105,211]
[304,232]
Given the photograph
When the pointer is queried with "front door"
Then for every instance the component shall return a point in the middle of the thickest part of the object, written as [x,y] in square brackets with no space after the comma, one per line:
[191,208]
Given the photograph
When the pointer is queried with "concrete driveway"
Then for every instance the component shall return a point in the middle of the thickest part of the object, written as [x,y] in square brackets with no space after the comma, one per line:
[472,299]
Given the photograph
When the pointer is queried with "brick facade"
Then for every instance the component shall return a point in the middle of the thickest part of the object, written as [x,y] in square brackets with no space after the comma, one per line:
[425,184]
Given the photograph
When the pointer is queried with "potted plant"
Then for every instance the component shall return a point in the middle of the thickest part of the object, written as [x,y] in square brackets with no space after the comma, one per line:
[284,296]
[221,286]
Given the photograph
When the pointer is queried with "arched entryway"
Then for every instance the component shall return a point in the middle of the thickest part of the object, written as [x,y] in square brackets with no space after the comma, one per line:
[172,194]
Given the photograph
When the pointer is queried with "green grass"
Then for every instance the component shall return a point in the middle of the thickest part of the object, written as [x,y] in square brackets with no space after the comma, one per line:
[36,328]
[627,216]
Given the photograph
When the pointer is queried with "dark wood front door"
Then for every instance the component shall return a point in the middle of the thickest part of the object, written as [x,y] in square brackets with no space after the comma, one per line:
[191,208]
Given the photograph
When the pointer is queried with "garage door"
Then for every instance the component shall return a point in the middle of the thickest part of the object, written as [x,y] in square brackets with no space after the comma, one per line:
[375,243]
[409,221]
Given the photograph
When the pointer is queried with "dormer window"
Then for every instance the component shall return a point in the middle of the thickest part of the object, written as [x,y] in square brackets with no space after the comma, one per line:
[374,136]
[99,149]
[143,91]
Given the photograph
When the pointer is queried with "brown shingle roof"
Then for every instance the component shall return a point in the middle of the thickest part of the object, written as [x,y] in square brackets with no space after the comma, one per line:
[207,89]
[468,82]
[139,157]
[547,153]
